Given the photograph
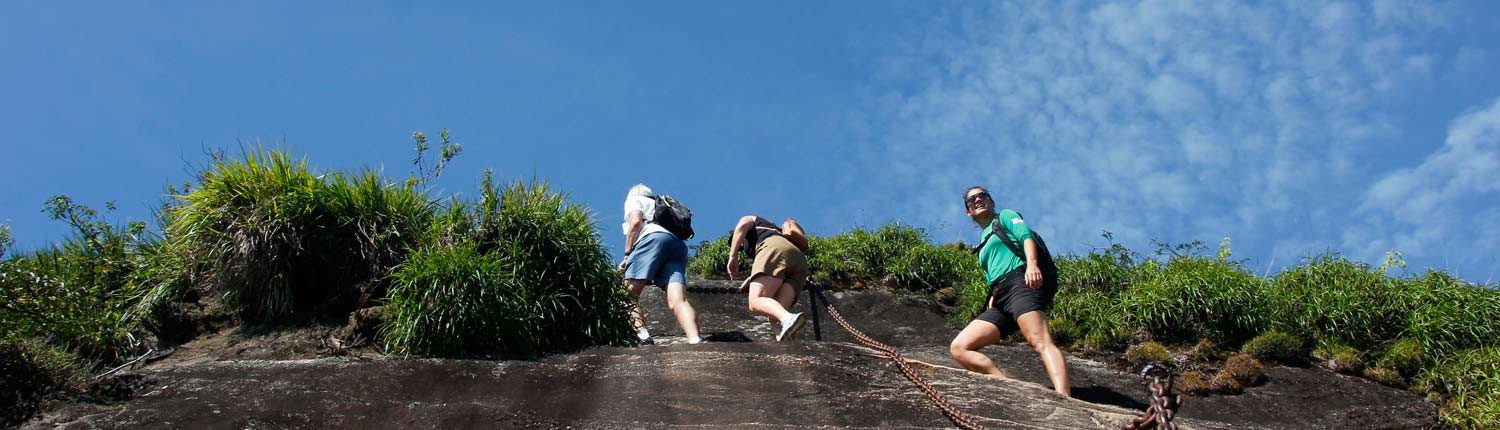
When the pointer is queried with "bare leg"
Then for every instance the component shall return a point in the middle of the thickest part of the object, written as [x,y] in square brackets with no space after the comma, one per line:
[1034,327]
[762,290]
[634,287]
[965,347]
[786,295]
[687,318]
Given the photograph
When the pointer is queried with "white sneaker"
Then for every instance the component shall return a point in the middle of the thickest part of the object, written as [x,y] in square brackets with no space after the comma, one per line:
[790,326]
[695,341]
[643,334]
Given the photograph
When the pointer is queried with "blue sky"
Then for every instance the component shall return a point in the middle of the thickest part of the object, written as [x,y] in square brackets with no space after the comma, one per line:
[1295,128]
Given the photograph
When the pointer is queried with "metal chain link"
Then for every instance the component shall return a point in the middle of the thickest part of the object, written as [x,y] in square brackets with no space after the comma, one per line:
[702,289]
[1164,404]
[1157,377]
[959,418]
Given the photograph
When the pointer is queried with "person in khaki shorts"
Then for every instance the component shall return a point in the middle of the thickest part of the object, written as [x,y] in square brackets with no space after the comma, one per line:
[779,272]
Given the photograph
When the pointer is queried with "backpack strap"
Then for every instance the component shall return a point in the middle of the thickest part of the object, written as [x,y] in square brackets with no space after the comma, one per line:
[1004,237]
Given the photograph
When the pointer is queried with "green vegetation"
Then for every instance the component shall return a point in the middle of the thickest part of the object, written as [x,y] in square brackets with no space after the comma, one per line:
[1190,297]
[1471,380]
[1334,299]
[1363,321]
[1340,358]
[1240,371]
[712,256]
[283,243]
[520,271]
[273,241]
[1405,355]
[1146,353]
[29,369]
[1276,346]
[1352,311]
[71,308]
[77,296]
[896,255]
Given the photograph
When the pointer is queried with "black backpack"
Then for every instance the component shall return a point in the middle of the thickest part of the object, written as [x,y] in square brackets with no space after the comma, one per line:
[673,216]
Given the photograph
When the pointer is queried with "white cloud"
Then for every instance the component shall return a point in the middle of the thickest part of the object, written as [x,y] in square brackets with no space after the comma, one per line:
[1465,170]
[1174,120]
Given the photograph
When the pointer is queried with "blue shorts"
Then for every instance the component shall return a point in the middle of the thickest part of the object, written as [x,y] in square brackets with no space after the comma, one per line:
[660,258]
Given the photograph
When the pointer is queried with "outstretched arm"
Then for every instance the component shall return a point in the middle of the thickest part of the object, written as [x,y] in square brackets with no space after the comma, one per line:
[735,240]
[1033,273]
[637,220]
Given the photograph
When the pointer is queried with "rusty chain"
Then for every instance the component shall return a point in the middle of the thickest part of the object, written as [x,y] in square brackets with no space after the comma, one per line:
[1164,404]
[700,289]
[1157,377]
[959,418]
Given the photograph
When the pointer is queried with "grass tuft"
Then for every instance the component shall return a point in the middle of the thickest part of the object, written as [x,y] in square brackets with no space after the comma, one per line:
[31,370]
[531,276]
[1244,370]
[283,243]
[1335,299]
[1192,297]
[1276,346]
[1149,352]
[1340,358]
[1470,381]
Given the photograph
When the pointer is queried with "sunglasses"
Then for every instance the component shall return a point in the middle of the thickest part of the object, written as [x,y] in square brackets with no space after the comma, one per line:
[976,198]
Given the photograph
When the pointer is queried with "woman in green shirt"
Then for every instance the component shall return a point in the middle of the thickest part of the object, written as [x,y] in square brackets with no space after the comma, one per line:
[1022,283]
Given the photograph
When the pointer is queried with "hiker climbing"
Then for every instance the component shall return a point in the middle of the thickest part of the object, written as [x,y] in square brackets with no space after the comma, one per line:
[1022,280]
[655,228]
[779,271]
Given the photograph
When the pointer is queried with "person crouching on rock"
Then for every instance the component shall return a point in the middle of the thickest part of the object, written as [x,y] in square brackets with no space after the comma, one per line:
[779,271]
[1022,279]
[653,254]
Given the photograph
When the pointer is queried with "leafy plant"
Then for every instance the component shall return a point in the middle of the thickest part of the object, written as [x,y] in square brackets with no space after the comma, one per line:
[1340,358]
[447,150]
[282,242]
[932,268]
[711,256]
[1276,346]
[1449,315]
[1194,296]
[1404,355]
[5,241]
[75,295]
[530,276]
[1148,352]
[1333,298]
[29,371]
[1470,382]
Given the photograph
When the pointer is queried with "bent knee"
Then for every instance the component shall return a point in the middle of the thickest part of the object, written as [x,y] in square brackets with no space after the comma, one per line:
[958,348]
[1040,343]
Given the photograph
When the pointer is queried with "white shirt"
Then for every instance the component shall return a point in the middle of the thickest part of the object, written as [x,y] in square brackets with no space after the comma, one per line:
[647,208]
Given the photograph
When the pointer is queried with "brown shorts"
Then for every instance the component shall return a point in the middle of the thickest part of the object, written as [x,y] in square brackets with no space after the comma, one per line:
[777,257]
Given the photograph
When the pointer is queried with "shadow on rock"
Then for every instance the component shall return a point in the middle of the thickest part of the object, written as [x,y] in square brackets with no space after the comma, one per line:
[1106,396]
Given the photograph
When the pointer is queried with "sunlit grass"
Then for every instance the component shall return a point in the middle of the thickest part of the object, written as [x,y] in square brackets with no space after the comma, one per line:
[281,241]
[529,276]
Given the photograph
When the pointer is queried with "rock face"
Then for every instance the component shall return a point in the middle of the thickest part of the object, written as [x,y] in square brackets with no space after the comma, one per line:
[742,379]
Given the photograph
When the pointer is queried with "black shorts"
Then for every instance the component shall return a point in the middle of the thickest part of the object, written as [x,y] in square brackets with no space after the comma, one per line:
[1013,299]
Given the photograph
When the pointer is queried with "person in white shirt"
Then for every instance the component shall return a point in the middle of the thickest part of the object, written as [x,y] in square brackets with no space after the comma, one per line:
[655,255]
